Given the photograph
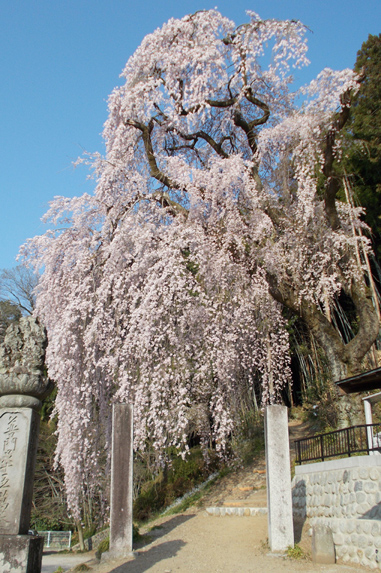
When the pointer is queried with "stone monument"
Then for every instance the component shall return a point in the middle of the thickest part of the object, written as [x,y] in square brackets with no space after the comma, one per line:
[323,548]
[121,527]
[278,476]
[23,384]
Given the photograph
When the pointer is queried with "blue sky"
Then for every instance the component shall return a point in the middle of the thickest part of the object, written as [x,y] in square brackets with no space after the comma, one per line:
[60,59]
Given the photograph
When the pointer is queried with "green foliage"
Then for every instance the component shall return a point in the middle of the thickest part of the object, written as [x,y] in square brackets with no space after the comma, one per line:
[320,406]
[47,410]
[59,570]
[135,532]
[49,511]
[82,567]
[363,137]
[295,552]
[105,543]
[102,547]
[47,523]
[152,498]
[186,503]
[250,440]
[178,477]
[89,531]
[225,471]
[189,469]
[197,496]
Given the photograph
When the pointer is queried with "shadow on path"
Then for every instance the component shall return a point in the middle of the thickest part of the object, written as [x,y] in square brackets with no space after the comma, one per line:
[146,559]
[162,529]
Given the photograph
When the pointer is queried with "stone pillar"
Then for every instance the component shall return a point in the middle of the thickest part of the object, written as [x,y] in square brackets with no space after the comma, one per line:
[21,553]
[23,385]
[279,498]
[121,480]
[18,446]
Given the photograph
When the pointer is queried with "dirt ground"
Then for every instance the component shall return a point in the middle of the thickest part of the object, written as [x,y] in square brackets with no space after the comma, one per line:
[195,542]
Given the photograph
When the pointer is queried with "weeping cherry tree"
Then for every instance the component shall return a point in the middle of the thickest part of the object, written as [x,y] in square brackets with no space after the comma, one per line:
[215,206]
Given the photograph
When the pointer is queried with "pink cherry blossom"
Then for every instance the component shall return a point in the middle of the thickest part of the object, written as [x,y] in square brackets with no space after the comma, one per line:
[164,287]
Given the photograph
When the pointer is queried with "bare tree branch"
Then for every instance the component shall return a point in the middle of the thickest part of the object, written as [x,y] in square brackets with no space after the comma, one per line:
[17,285]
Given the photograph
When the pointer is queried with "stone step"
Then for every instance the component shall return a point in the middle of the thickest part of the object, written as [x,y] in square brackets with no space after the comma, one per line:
[236,511]
[260,501]
[253,497]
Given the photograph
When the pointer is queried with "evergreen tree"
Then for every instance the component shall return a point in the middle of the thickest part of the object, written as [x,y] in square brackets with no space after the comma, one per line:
[363,162]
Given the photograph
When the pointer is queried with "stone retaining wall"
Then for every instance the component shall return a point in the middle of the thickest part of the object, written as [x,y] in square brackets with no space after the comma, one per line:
[356,540]
[346,495]
[94,541]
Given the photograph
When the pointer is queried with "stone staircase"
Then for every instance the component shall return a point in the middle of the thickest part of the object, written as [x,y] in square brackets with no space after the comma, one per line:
[248,498]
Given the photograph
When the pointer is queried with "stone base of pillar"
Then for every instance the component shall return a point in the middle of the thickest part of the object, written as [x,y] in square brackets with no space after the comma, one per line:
[118,553]
[21,553]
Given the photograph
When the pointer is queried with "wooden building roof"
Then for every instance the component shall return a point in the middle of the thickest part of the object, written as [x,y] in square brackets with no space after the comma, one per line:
[363,382]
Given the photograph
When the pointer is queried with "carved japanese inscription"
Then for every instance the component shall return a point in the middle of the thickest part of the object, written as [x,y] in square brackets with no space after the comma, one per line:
[14,440]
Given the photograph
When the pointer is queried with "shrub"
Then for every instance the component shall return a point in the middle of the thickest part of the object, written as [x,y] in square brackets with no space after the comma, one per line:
[102,547]
[179,477]
[249,442]
[295,552]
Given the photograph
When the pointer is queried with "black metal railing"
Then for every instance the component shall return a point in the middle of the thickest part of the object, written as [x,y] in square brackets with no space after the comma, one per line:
[345,442]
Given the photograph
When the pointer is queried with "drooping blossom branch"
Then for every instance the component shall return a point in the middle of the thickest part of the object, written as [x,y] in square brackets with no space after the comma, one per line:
[165,287]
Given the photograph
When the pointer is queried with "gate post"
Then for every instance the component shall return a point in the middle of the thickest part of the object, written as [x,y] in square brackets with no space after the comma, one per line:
[121,480]
[278,476]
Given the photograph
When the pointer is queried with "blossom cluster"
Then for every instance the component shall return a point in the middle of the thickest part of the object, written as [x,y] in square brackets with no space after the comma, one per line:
[157,290]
